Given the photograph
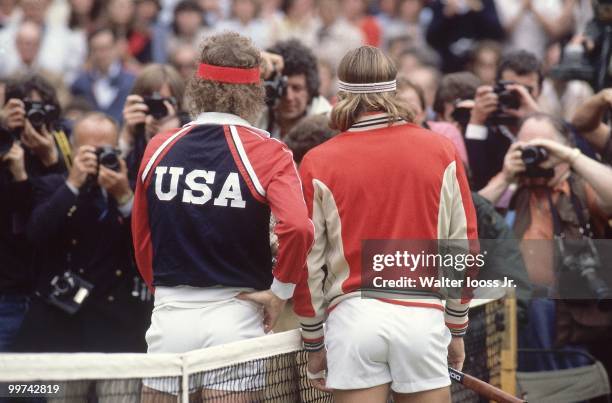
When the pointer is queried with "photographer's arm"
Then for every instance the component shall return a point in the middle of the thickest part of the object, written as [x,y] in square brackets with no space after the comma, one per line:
[513,166]
[54,202]
[588,119]
[17,192]
[598,175]
[56,199]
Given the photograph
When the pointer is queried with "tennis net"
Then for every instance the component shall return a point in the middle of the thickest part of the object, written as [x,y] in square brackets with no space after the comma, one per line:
[267,369]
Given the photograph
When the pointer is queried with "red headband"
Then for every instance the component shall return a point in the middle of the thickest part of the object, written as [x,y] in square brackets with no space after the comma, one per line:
[230,75]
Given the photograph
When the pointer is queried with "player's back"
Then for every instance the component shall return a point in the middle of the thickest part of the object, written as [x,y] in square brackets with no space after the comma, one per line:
[396,182]
[206,227]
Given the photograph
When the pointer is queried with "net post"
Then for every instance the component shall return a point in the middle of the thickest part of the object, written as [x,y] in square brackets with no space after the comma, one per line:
[184,395]
[509,345]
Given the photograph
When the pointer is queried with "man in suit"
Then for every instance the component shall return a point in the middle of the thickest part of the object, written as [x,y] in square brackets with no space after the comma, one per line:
[88,295]
[106,84]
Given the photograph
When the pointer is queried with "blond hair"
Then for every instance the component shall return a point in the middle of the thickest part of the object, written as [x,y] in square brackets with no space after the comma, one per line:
[228,49]
[367,64]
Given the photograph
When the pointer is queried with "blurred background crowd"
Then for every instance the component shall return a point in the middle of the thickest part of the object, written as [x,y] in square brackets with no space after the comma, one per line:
[519,86]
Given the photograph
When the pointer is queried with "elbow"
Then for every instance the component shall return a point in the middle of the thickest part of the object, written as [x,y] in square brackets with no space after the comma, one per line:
[300,230]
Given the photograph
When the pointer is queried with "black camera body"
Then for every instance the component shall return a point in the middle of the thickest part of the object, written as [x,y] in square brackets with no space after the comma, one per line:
[275,88]
[532,157]
[156,105]
[67,292]
[507,99]
[40,114]
[108,157]
[580,279]
[590,65]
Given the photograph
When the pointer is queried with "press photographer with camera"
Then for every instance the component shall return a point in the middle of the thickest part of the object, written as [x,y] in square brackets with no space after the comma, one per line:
[15,275]
[497,112]
[562,201]
[542,156]
[31,114]
[154,105]
[88,294]
[293,93]
[590,123]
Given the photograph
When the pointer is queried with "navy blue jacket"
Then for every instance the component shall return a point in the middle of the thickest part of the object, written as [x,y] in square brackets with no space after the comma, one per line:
[202,209]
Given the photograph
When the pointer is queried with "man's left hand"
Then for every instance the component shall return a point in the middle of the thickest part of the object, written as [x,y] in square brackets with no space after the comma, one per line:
[557,153]
[317,365]
[115,183]
[273,306]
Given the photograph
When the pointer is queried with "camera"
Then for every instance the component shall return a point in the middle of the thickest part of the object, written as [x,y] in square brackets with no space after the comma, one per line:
[7,138]
[579,276]
[67,292]
[275,89]
[40,114]
[156,105]
[507,99]
[532,157]
[590,64]
[108,156]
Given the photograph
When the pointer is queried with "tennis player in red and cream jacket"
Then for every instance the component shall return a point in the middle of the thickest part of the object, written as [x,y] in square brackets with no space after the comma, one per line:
[382,178]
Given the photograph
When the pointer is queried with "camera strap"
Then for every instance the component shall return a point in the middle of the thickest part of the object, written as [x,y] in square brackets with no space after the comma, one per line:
[64,145]
[585,226]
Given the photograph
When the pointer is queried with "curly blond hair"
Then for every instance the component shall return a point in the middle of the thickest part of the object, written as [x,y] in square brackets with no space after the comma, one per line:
[228,49]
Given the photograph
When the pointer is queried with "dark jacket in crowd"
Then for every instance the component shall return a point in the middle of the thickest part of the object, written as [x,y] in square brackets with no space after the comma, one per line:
[15,203]
[122,83]
[453,37]
[88,236]
[503,257]
[486,156]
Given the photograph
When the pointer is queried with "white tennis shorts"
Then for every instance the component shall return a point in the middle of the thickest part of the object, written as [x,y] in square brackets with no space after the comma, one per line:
[371,343]
[179,327]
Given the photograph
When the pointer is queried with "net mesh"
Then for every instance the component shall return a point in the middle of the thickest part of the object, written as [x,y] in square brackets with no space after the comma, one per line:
[269,369]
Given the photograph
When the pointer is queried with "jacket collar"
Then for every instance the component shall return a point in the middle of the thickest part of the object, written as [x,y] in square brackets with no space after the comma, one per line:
[221,118]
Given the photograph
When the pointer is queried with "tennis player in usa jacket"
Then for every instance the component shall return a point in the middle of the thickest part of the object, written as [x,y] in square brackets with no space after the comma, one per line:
[202,209]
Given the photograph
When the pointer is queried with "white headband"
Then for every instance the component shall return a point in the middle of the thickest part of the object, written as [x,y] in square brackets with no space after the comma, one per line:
[367,88]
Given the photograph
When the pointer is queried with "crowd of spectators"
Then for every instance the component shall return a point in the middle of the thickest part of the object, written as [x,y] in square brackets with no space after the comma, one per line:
[85,84]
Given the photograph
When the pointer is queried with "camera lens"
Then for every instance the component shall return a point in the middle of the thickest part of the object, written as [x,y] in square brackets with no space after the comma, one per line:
[36,117]
[108,157]
[110,161]
[534,155]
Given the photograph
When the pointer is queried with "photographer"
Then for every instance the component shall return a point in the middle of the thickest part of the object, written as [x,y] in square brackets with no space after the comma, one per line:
[88,295]
[497,112]
[589,121]
[154,105]
[15,201]
[565,196]
[555,138]
[295,93]
[32,115]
